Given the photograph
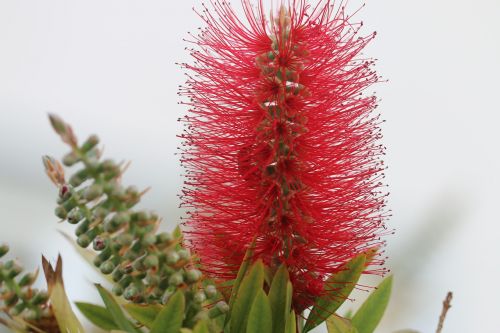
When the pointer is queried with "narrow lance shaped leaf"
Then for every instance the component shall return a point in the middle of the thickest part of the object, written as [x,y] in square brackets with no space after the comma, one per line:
[66,318]
[291,323]
[340,286]
[144,314]
[171,316]
[97,315]
[260,317]
[247,292]
[280,297]
[370,313]
[116,312]
[337,324]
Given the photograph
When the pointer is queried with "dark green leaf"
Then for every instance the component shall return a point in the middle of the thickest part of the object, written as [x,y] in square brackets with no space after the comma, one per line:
[116,312]
[370,313]
[251,284]
[144,314]
[260,317]
[171,316]
[337,324]
[339,287]
[280,296]
[97,315]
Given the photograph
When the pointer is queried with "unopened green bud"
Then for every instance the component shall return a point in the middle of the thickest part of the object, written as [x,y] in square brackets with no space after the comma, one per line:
[151,261]
[16,310]
[149,239]
[199,297]
[14,269]
[121,218]
[40,298]
[65,192]
[91,142]
[172,258]
[99,244]
[93,192]
[75,215]
[138,265]
[152,279]
[27,279]
[130,292]
[83,240]
[164,238]
[210,291]
[117,274]
[117,290]
[70,159]
[78,178]
[82,228]
[125,281]
[219,309]
[31,315]
[107,267]
[4,249]
[125,239]
[60,212]
[184,254]
[193,275]
[101,257]
[176,279]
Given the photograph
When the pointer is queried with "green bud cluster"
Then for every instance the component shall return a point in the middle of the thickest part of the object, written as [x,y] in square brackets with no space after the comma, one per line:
[147,266]
[17,297]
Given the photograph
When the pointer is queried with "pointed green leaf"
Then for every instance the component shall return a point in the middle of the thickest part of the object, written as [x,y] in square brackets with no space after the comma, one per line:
[291,323]
[339,287]
[337,324]
[239,277]
[370,313]
[171,316]
[97,315]
[116,312]
[201,327]
[260,318]
[251,284]
[144,314]
[280,296]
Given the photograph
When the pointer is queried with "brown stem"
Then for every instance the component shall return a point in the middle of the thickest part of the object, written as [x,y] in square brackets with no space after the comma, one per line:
[446,307]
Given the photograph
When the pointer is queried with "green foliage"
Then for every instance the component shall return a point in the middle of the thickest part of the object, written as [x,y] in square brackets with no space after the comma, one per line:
[339,287]
[260,317]
[144,314]
[280,297]
[336,324]
[116,312]
[97,315]
[171,316]
[370,313]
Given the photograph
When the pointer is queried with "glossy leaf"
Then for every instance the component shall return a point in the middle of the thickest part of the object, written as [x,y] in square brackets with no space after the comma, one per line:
[201,327]
[171,316]
[116,311]
[291,323]
[340,286]
[280,297]
[370,313]
[97,315]
[337,324]
[144,314]
[251,284]
[260,318]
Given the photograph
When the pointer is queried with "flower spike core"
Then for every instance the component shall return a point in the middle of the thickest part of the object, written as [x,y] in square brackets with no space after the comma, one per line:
[281,143]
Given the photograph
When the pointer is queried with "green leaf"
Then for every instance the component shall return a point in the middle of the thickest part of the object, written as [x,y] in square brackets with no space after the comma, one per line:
[291,323]
[339,287]
[251,284]
[116,312]
[280,297]
[260,318]
[144,314]
[97,315]
[66,318]
[201,327]
[370,313]
[171,316]
[337,324]
[236,285]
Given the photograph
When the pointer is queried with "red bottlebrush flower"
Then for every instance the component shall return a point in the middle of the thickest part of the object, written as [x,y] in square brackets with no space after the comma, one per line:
[281,144]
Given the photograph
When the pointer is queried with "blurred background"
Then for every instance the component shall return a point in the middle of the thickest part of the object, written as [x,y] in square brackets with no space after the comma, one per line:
[107,67]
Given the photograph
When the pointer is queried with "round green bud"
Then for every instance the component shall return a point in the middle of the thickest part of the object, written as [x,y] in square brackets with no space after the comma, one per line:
[138,265]
[184,254]
[117,274]
[75,215]
[148,239]
[16,310]
[60,212]
[151,261]
[27,279]
[83,240]
[117,290]
[82,228]
[152,279]
[193,275]
[90,143]
[47,312]
[172,258]
[222,306]
[70,159]
[176,279]
[31,315]
[164,238]
[219,309]
[125,281]
[40,297]
[107,267]
[127,269]
[130,292]
[121,218]
[210,291]
[142,216]
[99,244]
[100,212]
[98,261]
[4,249]
[78,178]
[125,239]
[15,268]
[199,297]
[93,192]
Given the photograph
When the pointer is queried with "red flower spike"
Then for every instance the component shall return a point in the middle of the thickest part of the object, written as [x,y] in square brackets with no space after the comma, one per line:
[281,144]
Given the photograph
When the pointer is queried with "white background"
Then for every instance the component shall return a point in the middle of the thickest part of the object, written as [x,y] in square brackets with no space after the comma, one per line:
[108,67]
